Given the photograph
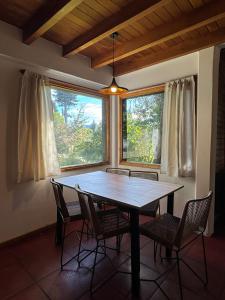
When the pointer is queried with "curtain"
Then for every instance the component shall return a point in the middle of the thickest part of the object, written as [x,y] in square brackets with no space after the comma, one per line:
[37,155]
[178,134]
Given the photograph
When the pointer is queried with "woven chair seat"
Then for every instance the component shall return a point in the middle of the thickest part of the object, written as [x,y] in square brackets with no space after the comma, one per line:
[150,209]
[162,230]
[75,211]
[73,208]
[112,223]
[118,171]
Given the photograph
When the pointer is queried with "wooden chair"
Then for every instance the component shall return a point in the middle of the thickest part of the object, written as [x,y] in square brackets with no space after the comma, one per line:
[104,225]
[118,171]
[151,208]
[175,233]
[66,213]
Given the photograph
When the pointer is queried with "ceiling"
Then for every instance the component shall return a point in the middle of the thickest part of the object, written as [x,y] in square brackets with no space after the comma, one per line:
[150,31]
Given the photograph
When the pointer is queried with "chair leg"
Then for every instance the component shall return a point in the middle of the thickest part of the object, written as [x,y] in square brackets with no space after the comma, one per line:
[179,275]
[62,245]
[59,230]
[205,261]
[118,242]
[154,248]
[80,241]
[104,245]
[93,268]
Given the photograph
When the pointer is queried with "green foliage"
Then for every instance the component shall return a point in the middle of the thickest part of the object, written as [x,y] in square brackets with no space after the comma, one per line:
[77,143]
[143,128]
[64,100]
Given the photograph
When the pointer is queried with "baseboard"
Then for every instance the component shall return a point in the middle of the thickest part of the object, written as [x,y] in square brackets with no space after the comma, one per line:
[27,235]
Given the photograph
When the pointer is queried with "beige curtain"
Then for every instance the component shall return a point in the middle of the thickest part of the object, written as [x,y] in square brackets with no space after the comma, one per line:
[178,134]
[37,155]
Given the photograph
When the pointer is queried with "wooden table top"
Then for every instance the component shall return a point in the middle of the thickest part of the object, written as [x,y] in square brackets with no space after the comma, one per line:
[124,190]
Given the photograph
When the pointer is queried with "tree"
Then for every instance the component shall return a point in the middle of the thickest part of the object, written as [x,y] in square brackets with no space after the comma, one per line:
[77,141]
[63,102]
[144,116]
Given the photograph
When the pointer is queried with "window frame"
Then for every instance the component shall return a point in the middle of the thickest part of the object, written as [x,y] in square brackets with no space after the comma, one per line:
[87,91]
[135,93]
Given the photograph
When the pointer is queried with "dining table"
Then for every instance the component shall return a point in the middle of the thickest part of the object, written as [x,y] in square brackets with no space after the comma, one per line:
[130,193]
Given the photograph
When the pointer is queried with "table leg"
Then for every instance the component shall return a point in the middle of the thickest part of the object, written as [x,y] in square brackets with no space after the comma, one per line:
[59,227]
[58,234]
[135,251]
[170,205]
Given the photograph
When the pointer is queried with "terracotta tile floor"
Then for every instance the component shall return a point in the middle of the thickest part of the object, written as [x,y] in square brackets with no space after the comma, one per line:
[30,270]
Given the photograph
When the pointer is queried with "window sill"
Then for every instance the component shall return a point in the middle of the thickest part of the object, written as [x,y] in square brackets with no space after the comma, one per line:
[71,168]
[141,165]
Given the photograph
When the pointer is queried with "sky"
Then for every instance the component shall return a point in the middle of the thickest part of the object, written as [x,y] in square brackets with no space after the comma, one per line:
[92,108]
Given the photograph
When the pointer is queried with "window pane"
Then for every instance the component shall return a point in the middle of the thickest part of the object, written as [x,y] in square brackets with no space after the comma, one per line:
[142,128]
[79,123]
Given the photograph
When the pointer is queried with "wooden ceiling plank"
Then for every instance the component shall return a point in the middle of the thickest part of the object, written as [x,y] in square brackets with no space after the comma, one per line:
[47,17]
[173,10]
[133,12]
[184,5]
[184,24]
[164,15]
[155,19]
[186,47]
[147,23]
[196,3]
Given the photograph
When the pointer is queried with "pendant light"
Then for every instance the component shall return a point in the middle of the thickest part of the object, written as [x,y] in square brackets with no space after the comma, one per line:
[113,88]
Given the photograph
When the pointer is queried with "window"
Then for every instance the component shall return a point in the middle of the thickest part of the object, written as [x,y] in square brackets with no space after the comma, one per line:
[80,125]
[141,126]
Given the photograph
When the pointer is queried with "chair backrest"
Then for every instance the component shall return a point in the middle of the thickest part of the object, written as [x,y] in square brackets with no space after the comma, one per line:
[194,218]
[118,171]
[59,199]
[145,174]
[88,209]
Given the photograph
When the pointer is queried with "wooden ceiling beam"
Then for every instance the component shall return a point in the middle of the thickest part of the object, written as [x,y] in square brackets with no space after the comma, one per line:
[199,17]
[185,47]
[46,18]
[133,12]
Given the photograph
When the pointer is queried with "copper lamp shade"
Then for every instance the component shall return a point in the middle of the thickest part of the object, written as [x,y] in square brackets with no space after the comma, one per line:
[113,88]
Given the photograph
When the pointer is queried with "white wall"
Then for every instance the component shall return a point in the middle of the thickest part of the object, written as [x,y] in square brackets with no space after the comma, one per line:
[45,56]
[161,73]
[29,206]
[205,64]
[206,124]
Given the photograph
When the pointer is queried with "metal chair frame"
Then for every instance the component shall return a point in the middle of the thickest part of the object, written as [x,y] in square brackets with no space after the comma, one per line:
[146,175]
[193,221]
[64,218]
[91,217]
[119,171]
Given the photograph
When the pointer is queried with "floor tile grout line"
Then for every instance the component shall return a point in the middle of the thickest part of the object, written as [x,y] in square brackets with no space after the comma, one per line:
[101,287]
[17,261]
[44,292]
[18,292]
[35,282]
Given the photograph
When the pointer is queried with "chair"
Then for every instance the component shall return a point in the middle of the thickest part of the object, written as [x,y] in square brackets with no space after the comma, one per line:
[118,171]
[104,225]
[66,213]
[151,208]
[175,233]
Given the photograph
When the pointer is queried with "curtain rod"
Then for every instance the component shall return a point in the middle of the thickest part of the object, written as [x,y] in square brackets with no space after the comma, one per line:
[194,75]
